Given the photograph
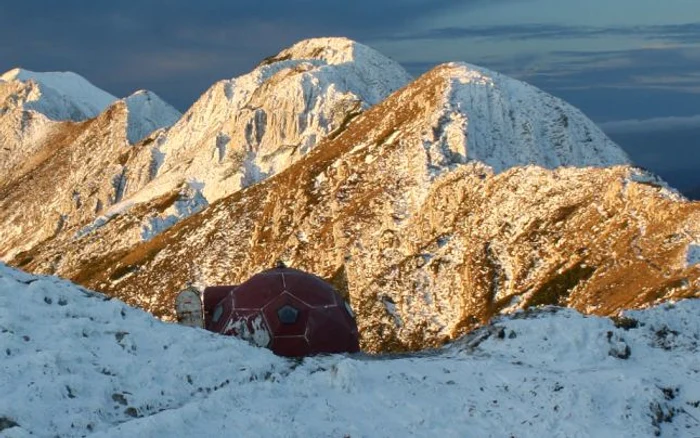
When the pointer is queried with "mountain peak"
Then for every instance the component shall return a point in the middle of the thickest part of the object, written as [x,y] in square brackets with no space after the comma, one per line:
[141,92]
[148,112]
[504,122]
[261,122]
[465,72]
[62,95]
[21,74]
[329,50]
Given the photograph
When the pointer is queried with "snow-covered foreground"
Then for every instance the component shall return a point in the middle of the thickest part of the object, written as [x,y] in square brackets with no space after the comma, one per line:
[73,363]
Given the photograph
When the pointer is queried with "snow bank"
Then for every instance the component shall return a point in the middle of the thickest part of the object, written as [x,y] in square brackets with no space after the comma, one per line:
[76,363]
[85,363]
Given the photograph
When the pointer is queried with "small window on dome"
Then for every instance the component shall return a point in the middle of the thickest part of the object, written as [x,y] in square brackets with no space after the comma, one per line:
[218,311]
[349,309]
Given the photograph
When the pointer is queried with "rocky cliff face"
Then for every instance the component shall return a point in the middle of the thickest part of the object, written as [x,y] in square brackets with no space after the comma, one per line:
[246,129]
[93,165]
[64,148]
[36,106]
[459,197]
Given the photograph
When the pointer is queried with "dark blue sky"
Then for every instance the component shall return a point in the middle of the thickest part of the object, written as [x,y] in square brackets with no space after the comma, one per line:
[614,59]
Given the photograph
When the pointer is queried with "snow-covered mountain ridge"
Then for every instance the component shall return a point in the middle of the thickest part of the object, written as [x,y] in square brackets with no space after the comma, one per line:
[427,251]
[508,123]
[62,159]
[76,363]
[248,128]
[460,196]
[239,132]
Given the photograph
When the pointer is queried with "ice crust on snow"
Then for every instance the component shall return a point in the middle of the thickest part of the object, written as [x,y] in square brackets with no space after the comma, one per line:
[62,95]
[77,363]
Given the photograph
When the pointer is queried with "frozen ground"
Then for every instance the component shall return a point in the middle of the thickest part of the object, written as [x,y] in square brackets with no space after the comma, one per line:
[73,363]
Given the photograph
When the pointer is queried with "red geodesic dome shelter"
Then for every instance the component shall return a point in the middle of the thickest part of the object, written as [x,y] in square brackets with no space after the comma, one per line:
[287,310]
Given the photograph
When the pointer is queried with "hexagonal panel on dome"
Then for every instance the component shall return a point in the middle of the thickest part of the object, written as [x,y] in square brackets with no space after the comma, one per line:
[277,326]
[258,290]
[329,330]
[310,289]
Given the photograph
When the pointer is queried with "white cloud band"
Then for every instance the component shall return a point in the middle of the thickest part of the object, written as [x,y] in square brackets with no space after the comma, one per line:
[651,125]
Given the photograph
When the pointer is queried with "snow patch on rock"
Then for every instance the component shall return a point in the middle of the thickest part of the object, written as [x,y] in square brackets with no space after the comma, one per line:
[97,223]
[190,202]
[147,113]
[643,176]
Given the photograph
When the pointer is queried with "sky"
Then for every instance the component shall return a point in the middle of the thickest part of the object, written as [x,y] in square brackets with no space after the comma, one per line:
[631,65]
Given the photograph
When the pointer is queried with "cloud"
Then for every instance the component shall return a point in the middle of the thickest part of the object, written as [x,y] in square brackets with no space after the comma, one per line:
[636,126]
[673,69]
[676,33]
[76,19]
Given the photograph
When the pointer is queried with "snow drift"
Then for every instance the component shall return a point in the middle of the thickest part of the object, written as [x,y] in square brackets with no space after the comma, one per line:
[75,363]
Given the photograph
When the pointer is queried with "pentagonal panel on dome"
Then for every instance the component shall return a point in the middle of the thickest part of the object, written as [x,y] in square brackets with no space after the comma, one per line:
[258,290]
[287,314]
[309,288]
[277,326]
[329,330]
